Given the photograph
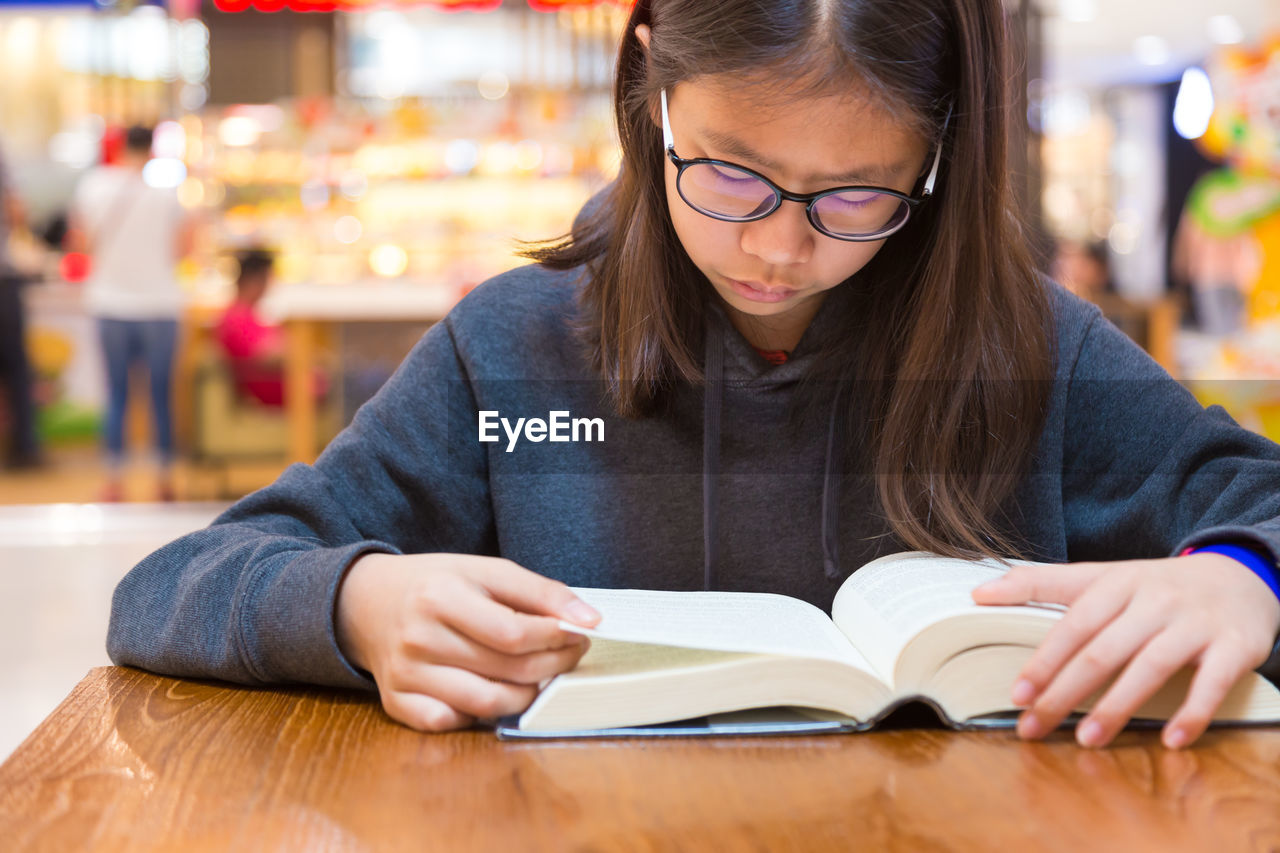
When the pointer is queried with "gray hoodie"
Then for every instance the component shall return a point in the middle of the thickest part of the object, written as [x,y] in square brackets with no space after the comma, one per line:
[723,489]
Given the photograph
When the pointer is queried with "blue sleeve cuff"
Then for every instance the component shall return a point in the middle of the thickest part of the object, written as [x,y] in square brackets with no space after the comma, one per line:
[1260,564]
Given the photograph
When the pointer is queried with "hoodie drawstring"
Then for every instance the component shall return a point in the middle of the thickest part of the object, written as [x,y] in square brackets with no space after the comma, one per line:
[831,491]
[711,402]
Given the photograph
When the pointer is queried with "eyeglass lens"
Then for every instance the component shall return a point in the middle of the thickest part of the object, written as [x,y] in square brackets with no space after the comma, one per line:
[721,190]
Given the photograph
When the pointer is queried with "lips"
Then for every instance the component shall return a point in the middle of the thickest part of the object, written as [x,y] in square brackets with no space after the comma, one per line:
[767,289]
[755,291]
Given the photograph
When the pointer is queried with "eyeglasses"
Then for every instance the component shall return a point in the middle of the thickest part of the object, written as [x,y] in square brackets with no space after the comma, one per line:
[732,193]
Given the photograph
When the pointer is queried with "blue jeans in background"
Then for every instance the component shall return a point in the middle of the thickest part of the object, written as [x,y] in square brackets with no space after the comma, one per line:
[129,342]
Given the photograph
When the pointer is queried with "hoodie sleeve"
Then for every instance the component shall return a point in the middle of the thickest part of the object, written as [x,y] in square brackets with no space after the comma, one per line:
[1148,471]
[251,598]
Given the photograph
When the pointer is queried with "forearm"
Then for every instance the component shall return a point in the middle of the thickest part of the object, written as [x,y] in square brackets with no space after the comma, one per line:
[15,214]
[238,604]
[75,240]
[185,243]
[250,598]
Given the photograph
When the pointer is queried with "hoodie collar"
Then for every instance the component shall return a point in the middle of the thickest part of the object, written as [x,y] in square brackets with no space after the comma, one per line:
[742,364]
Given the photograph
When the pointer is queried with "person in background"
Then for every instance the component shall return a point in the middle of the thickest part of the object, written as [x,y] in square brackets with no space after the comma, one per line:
[255,348]
[15,368]
[1084,269]
[1220,272]
[135,234]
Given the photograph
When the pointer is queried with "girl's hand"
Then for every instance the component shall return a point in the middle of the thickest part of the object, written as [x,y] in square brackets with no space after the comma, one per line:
[453,637]
[1142,620]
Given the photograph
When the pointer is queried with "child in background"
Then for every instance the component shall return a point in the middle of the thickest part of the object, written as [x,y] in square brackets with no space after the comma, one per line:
[807,313]
[255,348]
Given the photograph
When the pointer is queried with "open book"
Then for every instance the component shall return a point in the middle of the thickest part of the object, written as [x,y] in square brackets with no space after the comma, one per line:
[903,628]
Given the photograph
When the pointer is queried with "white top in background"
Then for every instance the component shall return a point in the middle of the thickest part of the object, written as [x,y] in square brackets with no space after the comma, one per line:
[133,274]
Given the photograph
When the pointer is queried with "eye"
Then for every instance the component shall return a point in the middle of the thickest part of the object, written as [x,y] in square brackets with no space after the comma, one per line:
[730,176]
[850,201]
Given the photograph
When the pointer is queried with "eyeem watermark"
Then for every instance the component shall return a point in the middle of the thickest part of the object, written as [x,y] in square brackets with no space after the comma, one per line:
[558,426]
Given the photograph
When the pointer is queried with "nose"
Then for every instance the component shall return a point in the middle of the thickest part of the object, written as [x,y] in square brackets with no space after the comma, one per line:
[783,237]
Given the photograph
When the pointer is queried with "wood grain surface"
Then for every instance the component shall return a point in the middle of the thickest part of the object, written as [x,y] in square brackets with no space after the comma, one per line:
[134,761]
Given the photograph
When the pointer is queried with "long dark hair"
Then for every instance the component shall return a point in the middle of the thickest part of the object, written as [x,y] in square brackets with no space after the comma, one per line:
[950,336]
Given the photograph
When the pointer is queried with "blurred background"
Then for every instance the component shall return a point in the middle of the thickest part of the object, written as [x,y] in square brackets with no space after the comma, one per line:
[359,166]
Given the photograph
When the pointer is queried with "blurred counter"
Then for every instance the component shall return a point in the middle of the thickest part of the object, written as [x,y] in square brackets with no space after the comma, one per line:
[359,301]
[304,310]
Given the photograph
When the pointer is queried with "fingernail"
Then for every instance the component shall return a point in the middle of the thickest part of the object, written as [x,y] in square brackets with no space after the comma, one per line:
[1176,739]
[1089,733]
[1023,692]
[1029,726]
[581,612]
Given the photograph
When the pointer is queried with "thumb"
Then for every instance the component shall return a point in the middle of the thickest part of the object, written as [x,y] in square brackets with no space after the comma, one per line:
[1050,584]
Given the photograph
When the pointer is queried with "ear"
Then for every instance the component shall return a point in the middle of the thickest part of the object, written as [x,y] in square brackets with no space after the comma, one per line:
[643,34]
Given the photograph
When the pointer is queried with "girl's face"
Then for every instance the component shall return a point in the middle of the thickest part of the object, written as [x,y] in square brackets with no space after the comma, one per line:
[773,273]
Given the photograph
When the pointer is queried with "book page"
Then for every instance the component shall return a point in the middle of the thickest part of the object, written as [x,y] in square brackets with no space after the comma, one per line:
[610,657]
[888,601]
[757,622]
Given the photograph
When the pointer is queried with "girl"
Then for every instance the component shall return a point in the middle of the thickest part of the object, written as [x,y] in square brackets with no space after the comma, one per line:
[812,333]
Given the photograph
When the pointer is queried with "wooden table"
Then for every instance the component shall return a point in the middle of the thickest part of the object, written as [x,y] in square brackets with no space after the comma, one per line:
[305,309]
[133,761]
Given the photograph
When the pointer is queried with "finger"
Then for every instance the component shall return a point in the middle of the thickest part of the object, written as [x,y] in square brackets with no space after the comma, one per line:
[439,644]
[1220,668]
[464,691]
[530,592]
[424,713]
[1091,613]
[1056,584]
[495,625]
[1157,662]
[528,669]
[1090,668]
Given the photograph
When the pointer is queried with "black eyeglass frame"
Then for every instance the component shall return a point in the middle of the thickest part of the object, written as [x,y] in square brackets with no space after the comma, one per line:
[809,200]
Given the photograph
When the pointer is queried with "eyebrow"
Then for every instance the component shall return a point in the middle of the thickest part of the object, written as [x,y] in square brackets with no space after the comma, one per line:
[878,174]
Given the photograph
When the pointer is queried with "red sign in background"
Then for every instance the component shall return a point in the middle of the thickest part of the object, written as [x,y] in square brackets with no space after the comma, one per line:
[361,5]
